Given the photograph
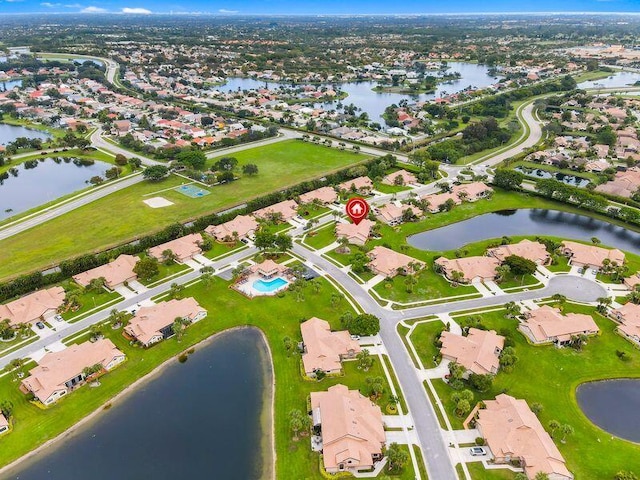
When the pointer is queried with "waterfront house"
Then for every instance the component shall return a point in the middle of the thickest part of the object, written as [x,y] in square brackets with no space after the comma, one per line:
[407,178]
[472,269]
[360,185]
[184,248]
[323,349]
[355,234]
[513,433]
[590,256]
[37,306]
[155,323]
[285,211]
[534,251]
[392,214]
[389,263]
[478,352]
[548,325]
[243,226]
[60,372]
[115,273]
[323,195]
[351,426]
[468,192]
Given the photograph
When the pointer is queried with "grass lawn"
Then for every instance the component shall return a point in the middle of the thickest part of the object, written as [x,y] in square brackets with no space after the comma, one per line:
[322,237]
[562,265]
[88,300]
[122,216]
[513,281]
[423,338]
[165,271]
[549,376]
[381,187]
[220,249]
[276,317]
[431,285]
[478,472]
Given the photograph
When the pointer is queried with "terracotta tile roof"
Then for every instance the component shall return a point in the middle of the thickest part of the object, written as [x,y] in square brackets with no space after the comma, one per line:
[478,352]
[56,368]
[184,247]
[115,273]
[391,213]
[591,255]
[407,178]
[352,428]
[360,183]
[624,184]
[148,322]
[3,421]
[511,429]
[32,307]
[471,267]
[288,209]
[323,194]
[387,262]
[534,251]
[545,324]
[243,225]
[356,234]
[268,268]
[324,348]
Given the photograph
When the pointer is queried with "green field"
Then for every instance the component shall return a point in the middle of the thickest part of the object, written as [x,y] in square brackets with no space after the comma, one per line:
[227,308]
[122,216]
[423,338]
[549,376]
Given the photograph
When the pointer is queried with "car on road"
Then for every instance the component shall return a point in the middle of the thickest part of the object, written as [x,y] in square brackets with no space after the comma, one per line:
[355,337]
[40,325]
[58,318]
[477,451]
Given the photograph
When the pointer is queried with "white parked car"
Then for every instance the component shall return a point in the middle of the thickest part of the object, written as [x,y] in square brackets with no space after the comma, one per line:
[477,451]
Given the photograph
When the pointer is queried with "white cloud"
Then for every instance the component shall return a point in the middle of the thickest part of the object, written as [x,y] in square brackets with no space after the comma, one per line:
[224,10]
[50,5]
[14,1]
[72,5]
[138,10]
[93,10]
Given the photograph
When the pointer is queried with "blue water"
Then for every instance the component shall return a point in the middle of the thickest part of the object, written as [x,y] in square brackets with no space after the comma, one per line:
[192,191]
[620,79]
[269,286]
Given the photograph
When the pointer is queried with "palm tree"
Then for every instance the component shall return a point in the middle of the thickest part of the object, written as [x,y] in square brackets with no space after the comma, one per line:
[553,426]
[456,277]
[603,303]
[316,286]
[566,429]
[336,299]
[178,328]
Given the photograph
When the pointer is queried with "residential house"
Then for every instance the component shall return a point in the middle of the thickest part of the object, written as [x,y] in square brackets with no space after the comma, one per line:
[60,372]
[360,185]
[590,256]
[472,269]
[184,248]
[323,349]
[624,184]
[324,195]
[243,226]
[534,251]
[389,263]
[548,325]
[155,323]
[37,306]
[392,214]
[469,192]
[115,273]
[513,433]
[352,429]
[355,234]
[478,352]
[406,177]
[4,424]
[285,210]
[629,318]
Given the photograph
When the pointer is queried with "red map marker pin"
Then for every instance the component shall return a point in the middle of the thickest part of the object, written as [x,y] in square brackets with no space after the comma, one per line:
[357,209]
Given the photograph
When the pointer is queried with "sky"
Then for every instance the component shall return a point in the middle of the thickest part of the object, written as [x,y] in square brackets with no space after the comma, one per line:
[297,7]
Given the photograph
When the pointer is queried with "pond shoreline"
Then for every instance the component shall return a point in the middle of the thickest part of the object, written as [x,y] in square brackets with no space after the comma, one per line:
[266,421]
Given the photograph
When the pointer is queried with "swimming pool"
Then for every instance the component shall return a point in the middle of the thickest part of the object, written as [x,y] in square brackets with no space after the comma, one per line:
[192,191]
[270,286]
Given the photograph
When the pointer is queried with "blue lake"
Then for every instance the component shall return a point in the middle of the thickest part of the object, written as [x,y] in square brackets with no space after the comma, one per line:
[619,79]
[196,420]
[8,133]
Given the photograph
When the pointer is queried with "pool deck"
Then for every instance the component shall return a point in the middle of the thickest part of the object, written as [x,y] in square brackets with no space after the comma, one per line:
[245,286]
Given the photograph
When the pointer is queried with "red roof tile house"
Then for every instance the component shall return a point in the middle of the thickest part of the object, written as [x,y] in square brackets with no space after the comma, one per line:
[4,424]
[323,195]
[514,433]
[243,226]
[389,263]
[549,325]
[58,373]
[534,251]
[479,352]
[469,192]
[361,185]
[590,256]
[625,184]
[392,215]
[153,324]
[472,269]
[629,318]
[323,349]
[114,273]
[355,234]
[34,307]
[352,429]
[406,178]
[184,248]
[284,211]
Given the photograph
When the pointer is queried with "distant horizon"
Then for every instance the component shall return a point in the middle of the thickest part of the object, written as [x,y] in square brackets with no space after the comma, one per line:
[326,8]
